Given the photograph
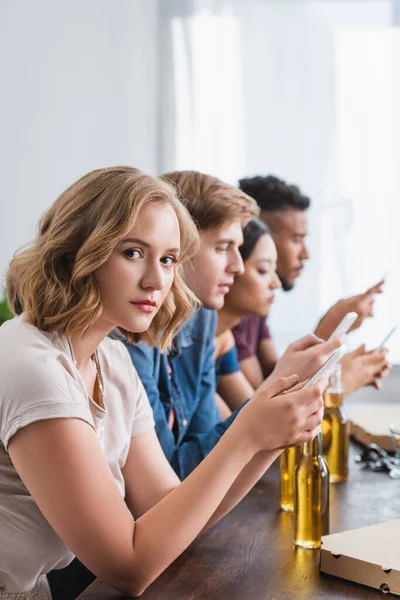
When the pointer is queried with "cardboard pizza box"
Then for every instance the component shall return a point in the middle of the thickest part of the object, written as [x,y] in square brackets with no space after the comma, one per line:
[370,423]
[369,555]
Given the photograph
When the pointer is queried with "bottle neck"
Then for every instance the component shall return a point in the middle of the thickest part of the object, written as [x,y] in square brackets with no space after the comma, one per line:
[333,396]
[335,380]
[313,448]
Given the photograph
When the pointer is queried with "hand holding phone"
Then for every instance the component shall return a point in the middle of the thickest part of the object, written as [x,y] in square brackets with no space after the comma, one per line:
[328,367]
[344,324]
[391,332]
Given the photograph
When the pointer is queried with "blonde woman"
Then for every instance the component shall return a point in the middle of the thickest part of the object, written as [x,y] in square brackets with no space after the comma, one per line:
[81,470]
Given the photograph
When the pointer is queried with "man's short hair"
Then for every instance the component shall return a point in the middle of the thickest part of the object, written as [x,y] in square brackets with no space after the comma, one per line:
[210,201]
[273,194]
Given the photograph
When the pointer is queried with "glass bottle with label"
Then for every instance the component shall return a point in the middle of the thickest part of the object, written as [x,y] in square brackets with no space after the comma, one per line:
[288,460]
[336,429]
[311,496]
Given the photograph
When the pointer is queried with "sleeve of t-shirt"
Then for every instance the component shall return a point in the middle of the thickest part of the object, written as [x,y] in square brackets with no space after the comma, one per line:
[38,388]
[240,333]
[143,420]
[131,387]
[264,333]
[228,363]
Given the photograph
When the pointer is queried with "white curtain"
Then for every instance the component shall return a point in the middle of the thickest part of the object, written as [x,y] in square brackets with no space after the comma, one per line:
[305,90]
[201,96]
[361,239]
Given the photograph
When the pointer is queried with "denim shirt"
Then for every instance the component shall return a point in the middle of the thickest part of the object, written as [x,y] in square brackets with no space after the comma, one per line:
[187,387]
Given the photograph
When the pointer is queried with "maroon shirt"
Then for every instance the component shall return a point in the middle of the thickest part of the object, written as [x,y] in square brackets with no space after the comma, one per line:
[248,334]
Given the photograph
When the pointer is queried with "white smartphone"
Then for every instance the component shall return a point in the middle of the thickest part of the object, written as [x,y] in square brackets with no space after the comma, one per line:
[344,324]
[327,368]
[391,332]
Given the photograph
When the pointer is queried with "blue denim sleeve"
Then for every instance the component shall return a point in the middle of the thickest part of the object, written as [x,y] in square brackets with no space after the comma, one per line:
[147,362]
[196,446]
[205,428]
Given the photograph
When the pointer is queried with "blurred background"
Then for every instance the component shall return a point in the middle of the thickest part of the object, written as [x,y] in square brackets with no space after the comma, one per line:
[308,91]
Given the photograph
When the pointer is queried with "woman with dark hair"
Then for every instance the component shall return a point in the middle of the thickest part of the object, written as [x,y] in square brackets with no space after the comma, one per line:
[243,314]
[245,354]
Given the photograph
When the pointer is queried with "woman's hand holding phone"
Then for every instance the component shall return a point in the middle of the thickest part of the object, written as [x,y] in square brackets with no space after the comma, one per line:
[282,413]
[305,357]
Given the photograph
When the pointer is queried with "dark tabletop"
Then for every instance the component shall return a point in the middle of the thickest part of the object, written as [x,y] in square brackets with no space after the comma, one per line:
[249,554]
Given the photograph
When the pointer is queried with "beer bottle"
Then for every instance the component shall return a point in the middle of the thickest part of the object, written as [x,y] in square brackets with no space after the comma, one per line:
[288,460]
[311,496]
[336,429]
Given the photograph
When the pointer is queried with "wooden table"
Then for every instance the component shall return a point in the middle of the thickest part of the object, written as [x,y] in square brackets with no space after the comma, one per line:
[249,555]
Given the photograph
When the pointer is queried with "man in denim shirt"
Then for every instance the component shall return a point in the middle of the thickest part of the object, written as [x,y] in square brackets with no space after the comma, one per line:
[181,385]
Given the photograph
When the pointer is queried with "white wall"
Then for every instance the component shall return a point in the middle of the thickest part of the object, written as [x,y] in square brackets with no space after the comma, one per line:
[361,239]
[79,91]
[253,87]
[291,121]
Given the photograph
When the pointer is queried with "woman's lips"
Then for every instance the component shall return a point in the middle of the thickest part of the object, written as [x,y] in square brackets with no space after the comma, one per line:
[224,289]
[146,307]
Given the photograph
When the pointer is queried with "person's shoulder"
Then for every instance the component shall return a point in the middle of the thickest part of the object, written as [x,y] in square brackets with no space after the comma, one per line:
[242,325]
[224,343]
[199,317]
[253,320]
[25,349]
[18,332]
[32,365]
[117,361]
[201,326]
[257,321]
[114,352]
[264,332]
[206,315]
[249,323]
[114,342]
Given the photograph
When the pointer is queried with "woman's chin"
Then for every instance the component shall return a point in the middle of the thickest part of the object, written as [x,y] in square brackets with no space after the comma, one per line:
[138,324]
[264,312]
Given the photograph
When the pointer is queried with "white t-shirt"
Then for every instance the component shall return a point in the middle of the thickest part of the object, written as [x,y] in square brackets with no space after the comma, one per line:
[39,380]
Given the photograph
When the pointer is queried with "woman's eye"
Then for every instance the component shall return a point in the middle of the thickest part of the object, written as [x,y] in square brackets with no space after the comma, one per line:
[168,261]
[262,272]
[133,253]
[221,248]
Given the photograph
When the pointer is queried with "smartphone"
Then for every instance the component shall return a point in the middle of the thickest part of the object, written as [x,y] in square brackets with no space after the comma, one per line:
[327,368]
[344,324]
[391,332]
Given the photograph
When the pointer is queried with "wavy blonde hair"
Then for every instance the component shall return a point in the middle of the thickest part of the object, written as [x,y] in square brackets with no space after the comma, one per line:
[52,281]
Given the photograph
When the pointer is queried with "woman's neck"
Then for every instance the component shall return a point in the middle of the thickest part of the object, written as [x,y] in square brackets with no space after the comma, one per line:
[85,345]
[227,319]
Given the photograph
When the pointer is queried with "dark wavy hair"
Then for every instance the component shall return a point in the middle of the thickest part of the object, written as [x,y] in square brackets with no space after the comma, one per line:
[253,231]
[273,194]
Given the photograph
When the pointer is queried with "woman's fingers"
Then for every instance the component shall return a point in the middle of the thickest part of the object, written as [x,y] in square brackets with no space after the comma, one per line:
[313,420]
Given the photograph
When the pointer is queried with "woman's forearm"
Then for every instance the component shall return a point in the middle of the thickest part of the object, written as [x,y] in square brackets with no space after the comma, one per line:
[249,476]
[166,530]
[271,419]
